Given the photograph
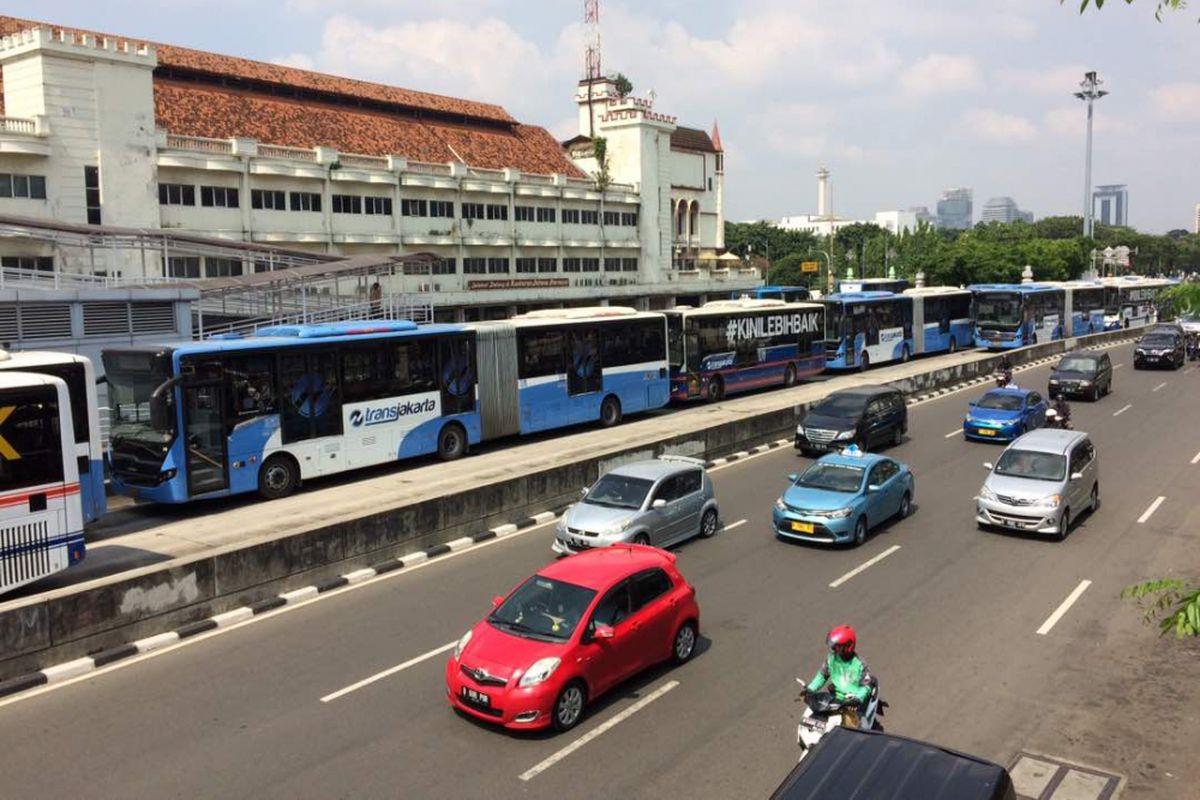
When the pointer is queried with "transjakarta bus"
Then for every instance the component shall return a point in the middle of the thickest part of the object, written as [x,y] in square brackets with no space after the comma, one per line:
[865,328]
[735,345]
[1083,304]
[1130,300]
[231,415]
[893,285]
[788,294]
[41,518]
[80,377]
[941,319]
[1009,315]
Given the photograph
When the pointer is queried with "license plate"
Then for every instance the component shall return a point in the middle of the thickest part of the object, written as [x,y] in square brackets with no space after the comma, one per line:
[475,697]
[985,432]
[802,527]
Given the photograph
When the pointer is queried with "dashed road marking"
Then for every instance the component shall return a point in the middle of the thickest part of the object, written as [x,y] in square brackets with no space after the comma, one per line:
[863,566]
[378,676]
[1196,458]
[1122,410]
[733,525]
[1161,385]
[1158,501]
[953,433]
[1053,619]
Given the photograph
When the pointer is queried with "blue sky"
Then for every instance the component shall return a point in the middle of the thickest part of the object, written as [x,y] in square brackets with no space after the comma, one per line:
[900,98]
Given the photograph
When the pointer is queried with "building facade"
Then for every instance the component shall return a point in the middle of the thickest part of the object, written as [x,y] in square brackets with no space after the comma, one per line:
[1005,210]
[106,131]
[1110,204]
[955,210]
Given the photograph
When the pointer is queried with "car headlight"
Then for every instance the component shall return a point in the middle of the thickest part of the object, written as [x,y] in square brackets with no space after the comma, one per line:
[780,505]
[799,430]
[1051,500]
[840,513]
[1054,381]
[462,643]
[844,435]
[1085,383]
[541,670]
[620,527]
[987,494]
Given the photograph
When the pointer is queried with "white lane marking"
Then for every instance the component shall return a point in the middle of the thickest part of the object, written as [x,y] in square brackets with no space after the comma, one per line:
[864,565]
[953,433]
[1196,458]
[541,767]
[733,525]
[1053,619]
[1158,501]
[378,676]
[1161,385]
[1122,410]
[1117,366]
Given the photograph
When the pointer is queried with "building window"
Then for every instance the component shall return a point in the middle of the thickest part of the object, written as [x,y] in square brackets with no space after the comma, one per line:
[629,265]
[589,217]
[267,199]
[441,208]
[414,208]
[474,266]
[183,267]
[221,267]
[91,187]
[523,213]
[710,184]
[571,265]
[612,218]
[629,218]
[497,265]
[347,204]
[176,194]
[39,263]
[31,186]
[444,266]
[472,210]
[570,216]
[496,211]
[217,196]
[591,265]
[545,214]
[526,265]
[381,206]
[547,264]
[612,265]
[305,201]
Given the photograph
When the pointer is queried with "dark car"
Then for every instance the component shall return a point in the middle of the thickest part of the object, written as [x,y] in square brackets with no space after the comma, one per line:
[1085,374]
[1159,348]
[851,765]
[863,416]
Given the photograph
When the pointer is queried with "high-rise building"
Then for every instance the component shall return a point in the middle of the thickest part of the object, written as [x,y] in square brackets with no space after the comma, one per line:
[1004,209]
[954,210]
[923,214]
[1110,204]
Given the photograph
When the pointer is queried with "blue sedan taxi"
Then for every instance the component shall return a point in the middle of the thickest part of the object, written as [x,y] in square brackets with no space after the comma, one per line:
[843,495]
[1002,415]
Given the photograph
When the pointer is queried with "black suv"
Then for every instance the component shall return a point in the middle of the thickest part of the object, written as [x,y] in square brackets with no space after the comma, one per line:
[1082,374]
[1159,348]
[865,416]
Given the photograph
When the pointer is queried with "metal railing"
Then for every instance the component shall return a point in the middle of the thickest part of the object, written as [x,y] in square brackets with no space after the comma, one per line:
[392,307]
[15,277]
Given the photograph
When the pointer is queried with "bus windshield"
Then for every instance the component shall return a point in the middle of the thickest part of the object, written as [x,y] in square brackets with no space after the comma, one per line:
[834,313]
[998,309]
[141,402]
[32,432]
[675,341]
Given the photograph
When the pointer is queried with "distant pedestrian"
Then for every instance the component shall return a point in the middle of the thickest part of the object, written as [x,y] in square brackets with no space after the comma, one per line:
[376,297]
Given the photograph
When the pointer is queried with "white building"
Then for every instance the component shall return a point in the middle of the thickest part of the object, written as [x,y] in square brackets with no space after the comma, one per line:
[1004,210]
[896,221]
[102,130]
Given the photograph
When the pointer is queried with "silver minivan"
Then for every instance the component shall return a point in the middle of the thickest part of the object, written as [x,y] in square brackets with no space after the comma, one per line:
[658,502]
[1041,483]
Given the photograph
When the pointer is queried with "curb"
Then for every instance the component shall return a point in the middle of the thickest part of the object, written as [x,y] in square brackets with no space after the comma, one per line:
[82,666]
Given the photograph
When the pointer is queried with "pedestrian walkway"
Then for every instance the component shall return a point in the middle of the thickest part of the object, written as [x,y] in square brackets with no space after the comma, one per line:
[1043,778]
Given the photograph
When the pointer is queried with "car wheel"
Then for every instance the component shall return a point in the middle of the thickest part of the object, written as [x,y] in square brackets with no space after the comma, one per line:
[905,506]
[860,531]
[708,523]
[452,442]
[1094,502]
[1095,393]
[789,375]
[278,477]
[897,436]
[684,645]
[610,412]
[864,361]
[641,538]
[1064,525]
[716,389]
[568,708]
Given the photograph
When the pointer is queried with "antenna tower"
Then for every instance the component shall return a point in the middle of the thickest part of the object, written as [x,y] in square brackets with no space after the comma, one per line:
[591,20]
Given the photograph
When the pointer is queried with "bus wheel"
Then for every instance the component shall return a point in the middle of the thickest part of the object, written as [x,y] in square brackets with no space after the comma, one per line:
[904,354]
[452,442]
[789,375]
[864,362]
[278,477]
[716,389]
[610,412]
[953,345]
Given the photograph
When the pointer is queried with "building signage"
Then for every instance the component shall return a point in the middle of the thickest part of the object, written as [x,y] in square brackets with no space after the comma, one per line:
[519,283]
[810,266]
[777,325]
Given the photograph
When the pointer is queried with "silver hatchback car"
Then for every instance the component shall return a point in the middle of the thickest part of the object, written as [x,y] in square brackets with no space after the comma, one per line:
[1041,483]
[658,502]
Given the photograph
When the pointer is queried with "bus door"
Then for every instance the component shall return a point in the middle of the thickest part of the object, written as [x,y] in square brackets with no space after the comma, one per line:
[204,433]
[585,373]
[311,408]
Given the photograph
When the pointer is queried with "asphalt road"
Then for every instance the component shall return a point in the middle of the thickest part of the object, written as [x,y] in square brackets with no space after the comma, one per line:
[948,621]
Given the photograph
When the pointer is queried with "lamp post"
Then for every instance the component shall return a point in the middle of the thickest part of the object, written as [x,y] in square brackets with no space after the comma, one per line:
[1089,92]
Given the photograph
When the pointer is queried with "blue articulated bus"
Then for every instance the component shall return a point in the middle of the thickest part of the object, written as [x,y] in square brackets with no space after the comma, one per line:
[788,294]
[941,319]
[1083,305]
[865,328]
[1009,315]
[234,414]
[893,285]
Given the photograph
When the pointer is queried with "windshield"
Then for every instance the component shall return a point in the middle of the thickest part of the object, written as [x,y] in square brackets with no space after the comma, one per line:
[543,608]
[998,309]
[1002,402]
[1157,341]
[841,405]
[619,491]
[1085,365]
[832,477]
[1031,464]
[834,314]
[136,412]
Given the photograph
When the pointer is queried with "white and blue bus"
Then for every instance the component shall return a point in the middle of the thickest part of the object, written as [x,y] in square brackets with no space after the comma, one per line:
[788,294]
[231,415]
[79,375]
[1083,305]
[865,328]
[1009,315]
[729,346]
[1131,301]
[41,517]
[941,319]
[893,285]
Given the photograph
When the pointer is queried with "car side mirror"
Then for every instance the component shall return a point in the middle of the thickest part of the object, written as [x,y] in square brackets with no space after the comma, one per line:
[874,487]
[988,466]
[793,478]
[1076,476]
[583,492]
[602,631]
[497,601]
[659,503]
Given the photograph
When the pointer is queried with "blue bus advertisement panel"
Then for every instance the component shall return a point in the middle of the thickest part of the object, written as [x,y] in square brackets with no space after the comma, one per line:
[1009,315]
[729,346]
[865,328]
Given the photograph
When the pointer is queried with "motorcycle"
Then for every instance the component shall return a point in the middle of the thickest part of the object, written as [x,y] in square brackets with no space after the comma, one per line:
[1003,378]
[1057,421]
[823,712]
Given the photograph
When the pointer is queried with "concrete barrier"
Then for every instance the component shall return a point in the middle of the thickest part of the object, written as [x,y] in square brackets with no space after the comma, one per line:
[81,620]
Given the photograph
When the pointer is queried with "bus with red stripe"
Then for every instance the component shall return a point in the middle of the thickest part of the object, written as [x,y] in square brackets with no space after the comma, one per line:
[730,346]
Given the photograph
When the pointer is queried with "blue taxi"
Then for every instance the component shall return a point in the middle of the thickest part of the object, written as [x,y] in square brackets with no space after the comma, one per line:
[1002,415]
[841,496]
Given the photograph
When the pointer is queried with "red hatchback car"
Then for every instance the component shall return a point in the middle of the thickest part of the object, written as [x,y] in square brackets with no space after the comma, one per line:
[572,632]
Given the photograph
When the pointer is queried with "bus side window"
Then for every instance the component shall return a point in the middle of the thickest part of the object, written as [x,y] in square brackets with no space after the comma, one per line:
[457,375]
[252,385]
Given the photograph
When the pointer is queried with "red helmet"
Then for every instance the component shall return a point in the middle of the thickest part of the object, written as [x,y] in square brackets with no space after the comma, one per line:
[842,641]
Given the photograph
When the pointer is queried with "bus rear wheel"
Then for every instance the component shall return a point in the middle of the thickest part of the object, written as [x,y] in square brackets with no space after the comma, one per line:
[864,362]
[279,477]
[452,442]
[716,389]
[789,375]
[953,344]
[610,412]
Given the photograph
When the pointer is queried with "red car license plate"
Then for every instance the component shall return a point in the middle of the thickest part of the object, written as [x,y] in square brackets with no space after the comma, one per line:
[475,697]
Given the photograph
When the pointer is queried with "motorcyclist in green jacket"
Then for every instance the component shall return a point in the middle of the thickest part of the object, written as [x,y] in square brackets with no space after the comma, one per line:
[845,673]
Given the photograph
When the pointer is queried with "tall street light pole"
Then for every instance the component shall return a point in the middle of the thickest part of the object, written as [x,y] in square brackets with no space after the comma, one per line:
[1090,92]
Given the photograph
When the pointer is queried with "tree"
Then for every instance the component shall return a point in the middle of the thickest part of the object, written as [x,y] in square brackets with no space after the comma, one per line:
[623,85]
[787,271]
[1171,603]
[1163,5]
[600,151]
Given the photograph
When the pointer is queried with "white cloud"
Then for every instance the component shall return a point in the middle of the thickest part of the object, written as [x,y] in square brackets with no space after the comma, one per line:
[1072,121]
[996,127]
[805,131]
[1177,101]
[1060,80]
[939,73]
